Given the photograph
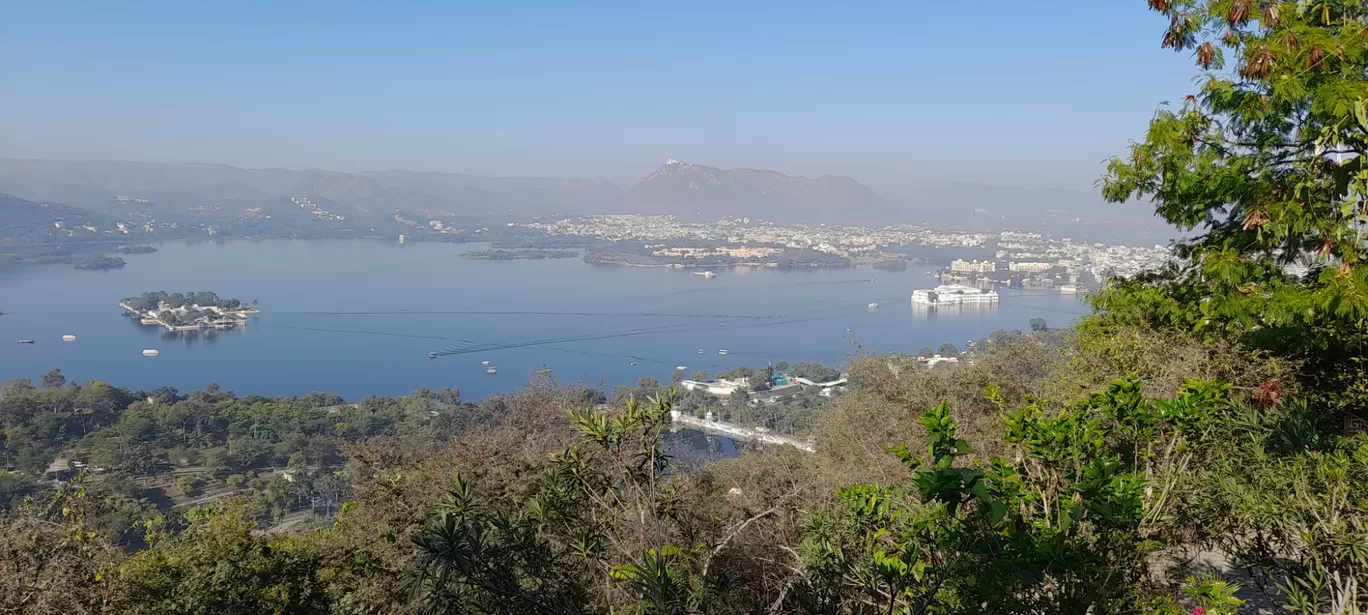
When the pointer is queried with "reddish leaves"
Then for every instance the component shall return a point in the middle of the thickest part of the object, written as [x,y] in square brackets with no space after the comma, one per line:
[1269,393]
[1272,15]
[1205,55]
[1313,61]
[1290,40]
[1259,65]
[1159,5]
[1254,220]
[1239,13]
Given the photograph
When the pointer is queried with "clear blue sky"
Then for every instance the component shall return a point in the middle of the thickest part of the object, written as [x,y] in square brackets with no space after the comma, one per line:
[893,93]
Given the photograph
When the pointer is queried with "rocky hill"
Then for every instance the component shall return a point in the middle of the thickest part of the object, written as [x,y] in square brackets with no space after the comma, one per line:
[706,192]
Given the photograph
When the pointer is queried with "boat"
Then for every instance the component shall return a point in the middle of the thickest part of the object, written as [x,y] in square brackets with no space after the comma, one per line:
[722,352]
[636,363]
[484,362]
[432,355]
[490,370]
[68,338]
[25,341]
[706,274]
[150,352]
[700,351]
[874,305]
[681,367]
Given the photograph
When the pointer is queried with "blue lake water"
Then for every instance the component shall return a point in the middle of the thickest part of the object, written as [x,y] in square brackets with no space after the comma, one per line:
[359,317]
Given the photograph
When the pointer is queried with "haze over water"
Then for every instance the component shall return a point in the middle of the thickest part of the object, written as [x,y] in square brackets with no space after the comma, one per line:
[359,318]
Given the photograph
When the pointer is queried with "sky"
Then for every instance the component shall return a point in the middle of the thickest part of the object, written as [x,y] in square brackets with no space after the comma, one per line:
[896,94]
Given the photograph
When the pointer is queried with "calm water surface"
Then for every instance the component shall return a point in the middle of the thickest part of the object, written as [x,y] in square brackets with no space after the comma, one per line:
[360,317]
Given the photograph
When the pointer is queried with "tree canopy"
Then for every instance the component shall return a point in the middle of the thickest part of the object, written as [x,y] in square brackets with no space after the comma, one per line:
[1265,160]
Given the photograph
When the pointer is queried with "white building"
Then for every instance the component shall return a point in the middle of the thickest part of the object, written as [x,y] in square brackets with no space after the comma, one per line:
[963,266]
[1028,267]
[720,387]
[954,294]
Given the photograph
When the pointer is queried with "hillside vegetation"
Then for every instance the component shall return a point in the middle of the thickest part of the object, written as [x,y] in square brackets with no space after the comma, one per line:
[1196,445]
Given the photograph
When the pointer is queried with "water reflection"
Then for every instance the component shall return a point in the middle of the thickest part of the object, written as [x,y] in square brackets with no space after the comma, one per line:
[694,445]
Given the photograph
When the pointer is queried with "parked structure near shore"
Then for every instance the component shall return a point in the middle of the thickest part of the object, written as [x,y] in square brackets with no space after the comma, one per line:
[954,294]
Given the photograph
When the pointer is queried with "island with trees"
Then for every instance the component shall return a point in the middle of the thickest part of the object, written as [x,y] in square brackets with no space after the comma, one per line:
[98,263]
[519,254]
[193,311]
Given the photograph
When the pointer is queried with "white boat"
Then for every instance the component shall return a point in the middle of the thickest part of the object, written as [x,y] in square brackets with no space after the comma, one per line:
[490,370]
[873,306]
[701,351]
[706,274]
[484,362]
[150,352]
[68,338]
[723,351]
[681,367]
[432,355]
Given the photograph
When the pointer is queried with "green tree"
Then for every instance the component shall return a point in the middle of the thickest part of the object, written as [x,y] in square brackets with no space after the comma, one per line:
[597,535]
[52,380]
[1065,526]
[1267,161]
[1038,324]
[700,375]
[948,350]
[926,352]
[217,565]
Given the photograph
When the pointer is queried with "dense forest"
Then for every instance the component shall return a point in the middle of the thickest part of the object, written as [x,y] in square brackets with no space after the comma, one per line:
[1196,445]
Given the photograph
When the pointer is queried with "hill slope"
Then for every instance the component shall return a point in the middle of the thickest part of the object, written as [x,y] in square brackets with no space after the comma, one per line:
[687,189]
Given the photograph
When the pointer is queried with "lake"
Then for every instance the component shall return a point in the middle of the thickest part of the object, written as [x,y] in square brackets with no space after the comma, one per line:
[358,317]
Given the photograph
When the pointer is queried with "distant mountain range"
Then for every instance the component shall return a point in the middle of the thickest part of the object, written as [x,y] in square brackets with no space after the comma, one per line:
[688,190]
[708,192]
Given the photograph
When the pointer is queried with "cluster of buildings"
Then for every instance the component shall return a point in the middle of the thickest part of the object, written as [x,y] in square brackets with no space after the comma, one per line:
[783,386]
[848,241]
[192,317]
[1036,260]
[313,208]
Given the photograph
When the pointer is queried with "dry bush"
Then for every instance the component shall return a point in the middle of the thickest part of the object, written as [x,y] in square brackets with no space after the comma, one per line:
[889,393]
[370,548]
[1163,360]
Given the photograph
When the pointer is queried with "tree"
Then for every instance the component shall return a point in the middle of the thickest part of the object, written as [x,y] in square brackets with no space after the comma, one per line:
[1038,324]
[647,382]
[1267,159]
[781,366]
[926,352]
[700,375]
[1054,529]
[593,532]
[948,350]
[52,380]
[815,372]
[217,565]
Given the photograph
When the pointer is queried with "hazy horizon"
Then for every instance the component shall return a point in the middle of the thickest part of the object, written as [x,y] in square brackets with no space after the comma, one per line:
[893,96]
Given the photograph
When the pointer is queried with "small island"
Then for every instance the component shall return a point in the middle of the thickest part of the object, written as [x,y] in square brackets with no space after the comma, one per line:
[893,264]
[136,249]
[519,254]
[187,312]
[98,263]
